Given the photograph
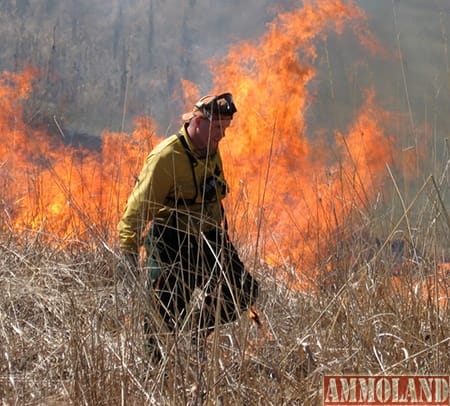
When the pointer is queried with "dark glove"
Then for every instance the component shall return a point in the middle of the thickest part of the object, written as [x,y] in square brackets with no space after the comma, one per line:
[127,270]
[131,259]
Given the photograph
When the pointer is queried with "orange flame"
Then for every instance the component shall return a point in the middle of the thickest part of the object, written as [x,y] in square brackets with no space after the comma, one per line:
[430,288]
[73,194]
[290,188]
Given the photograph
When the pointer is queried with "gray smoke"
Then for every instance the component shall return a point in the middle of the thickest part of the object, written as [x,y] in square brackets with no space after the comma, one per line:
[104,62]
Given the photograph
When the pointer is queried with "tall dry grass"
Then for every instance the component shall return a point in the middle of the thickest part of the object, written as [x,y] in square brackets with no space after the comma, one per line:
[72,334]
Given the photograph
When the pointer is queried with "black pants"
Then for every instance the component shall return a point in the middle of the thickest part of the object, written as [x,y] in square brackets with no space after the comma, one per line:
[207,261]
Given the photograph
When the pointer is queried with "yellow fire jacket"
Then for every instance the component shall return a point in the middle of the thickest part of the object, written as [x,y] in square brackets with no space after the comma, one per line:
[175,187]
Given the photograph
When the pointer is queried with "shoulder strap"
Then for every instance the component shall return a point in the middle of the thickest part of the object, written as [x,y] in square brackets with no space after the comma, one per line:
[194,163]
[189,153]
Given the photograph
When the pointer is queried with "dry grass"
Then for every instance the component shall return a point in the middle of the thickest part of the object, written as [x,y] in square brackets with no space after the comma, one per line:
[71,335]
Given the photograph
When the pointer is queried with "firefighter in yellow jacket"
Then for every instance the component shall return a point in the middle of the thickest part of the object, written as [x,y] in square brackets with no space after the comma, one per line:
[179,192]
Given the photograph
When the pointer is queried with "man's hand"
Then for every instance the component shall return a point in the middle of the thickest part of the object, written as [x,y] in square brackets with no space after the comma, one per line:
[127,270]
[131,259]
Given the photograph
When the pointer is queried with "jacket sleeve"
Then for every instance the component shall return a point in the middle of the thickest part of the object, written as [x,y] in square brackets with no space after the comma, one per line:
[148,196]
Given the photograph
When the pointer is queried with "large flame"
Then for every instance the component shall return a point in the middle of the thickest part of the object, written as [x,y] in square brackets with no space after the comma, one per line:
[65,193]
[289,187]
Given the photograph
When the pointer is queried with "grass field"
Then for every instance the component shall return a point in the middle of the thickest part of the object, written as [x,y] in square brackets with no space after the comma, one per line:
[70,333]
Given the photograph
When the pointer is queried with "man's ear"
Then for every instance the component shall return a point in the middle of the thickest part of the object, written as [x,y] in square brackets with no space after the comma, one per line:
[197,121]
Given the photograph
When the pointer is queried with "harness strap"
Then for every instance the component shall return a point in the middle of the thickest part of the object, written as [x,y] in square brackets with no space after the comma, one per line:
[194,163]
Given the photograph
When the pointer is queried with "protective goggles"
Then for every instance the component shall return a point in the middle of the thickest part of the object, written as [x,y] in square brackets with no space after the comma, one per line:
[221,105]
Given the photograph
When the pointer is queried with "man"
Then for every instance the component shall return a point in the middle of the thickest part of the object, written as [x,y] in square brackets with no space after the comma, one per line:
[179,192]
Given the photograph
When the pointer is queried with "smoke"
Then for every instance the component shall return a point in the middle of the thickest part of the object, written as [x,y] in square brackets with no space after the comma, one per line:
[105,62]
[417,79]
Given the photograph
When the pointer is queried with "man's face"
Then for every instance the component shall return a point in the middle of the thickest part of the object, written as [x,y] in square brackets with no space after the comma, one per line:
[209,133]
